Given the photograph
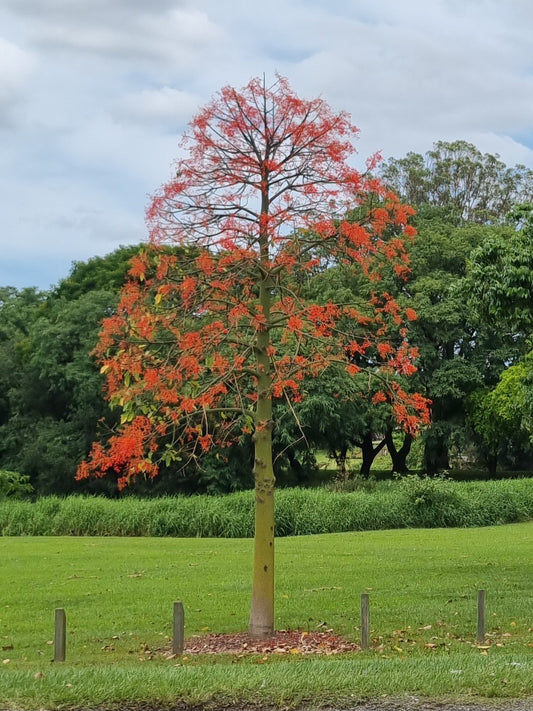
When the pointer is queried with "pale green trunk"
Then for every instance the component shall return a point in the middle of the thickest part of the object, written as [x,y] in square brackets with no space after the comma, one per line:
[262,609]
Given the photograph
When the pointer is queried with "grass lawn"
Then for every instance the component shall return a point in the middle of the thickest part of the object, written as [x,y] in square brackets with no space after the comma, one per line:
[118,595]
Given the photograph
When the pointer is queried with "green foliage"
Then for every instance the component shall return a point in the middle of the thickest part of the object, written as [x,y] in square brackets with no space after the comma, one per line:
[456,177]
[56,401]
[471,282]
[97,274]
[337,414]
[13,485]
[435,502]
[50,389]
[500,277]
[500,285]
[499,416]
[408,503]
[460,351]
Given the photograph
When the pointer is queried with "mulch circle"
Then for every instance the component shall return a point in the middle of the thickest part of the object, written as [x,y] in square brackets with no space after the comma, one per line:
[282,642]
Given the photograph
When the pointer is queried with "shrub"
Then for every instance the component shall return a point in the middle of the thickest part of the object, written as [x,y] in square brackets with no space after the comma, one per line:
[432,502]
[14,485]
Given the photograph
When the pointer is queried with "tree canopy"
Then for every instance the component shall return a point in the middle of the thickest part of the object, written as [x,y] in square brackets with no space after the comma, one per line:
[469,186]
[203,344]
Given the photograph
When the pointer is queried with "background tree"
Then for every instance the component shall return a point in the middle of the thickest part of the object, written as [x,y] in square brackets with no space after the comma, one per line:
[18,310]
[501,417]
[500,285]
[463,198]
[500,276]
[201,347]
[50,388]
[337,414]
[469,186]
[106,273]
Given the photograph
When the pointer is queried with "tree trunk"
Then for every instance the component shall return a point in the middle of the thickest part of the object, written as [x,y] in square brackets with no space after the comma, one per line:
[436,457]
[340,460]
[492,463]
[369,453]
[399,456]
[262,608]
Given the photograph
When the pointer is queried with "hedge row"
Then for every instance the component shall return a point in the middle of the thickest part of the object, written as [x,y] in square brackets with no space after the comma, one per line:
[409,503]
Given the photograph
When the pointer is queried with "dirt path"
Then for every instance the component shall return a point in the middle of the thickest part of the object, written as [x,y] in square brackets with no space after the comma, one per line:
[414,704]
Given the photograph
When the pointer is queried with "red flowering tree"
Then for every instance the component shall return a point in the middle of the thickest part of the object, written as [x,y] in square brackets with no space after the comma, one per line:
[208,334]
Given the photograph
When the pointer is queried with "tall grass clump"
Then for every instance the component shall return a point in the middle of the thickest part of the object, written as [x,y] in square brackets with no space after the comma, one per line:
[433,502]
[303,512]
[493,503]
[411,502]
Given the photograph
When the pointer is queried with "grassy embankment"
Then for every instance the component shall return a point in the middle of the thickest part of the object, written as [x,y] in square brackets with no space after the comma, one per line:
[408,503]
[118,595]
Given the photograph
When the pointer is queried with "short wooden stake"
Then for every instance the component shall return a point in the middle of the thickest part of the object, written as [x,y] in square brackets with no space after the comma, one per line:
[365,621]
[178,628]
[480,616]
[60,635]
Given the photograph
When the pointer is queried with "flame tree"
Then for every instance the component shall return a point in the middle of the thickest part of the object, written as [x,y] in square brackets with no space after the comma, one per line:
[209,333]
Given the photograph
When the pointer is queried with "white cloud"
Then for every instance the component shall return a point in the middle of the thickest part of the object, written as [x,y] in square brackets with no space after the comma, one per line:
[16,67]
[167,107]
[123,30]
[96,94]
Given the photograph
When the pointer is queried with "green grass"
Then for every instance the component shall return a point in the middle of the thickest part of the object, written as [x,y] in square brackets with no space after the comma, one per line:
[118,595]
[409,503]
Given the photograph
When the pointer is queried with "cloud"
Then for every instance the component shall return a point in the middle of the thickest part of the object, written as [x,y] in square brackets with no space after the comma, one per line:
[122,29]
[16,66]
[166,107]
[97,93]
[59,213]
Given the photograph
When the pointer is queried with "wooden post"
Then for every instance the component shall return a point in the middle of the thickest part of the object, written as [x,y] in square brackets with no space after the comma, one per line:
[178,628]
[480,616]
[365,621]
[60,635]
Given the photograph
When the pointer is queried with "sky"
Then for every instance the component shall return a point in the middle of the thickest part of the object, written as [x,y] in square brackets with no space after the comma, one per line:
[95,94]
